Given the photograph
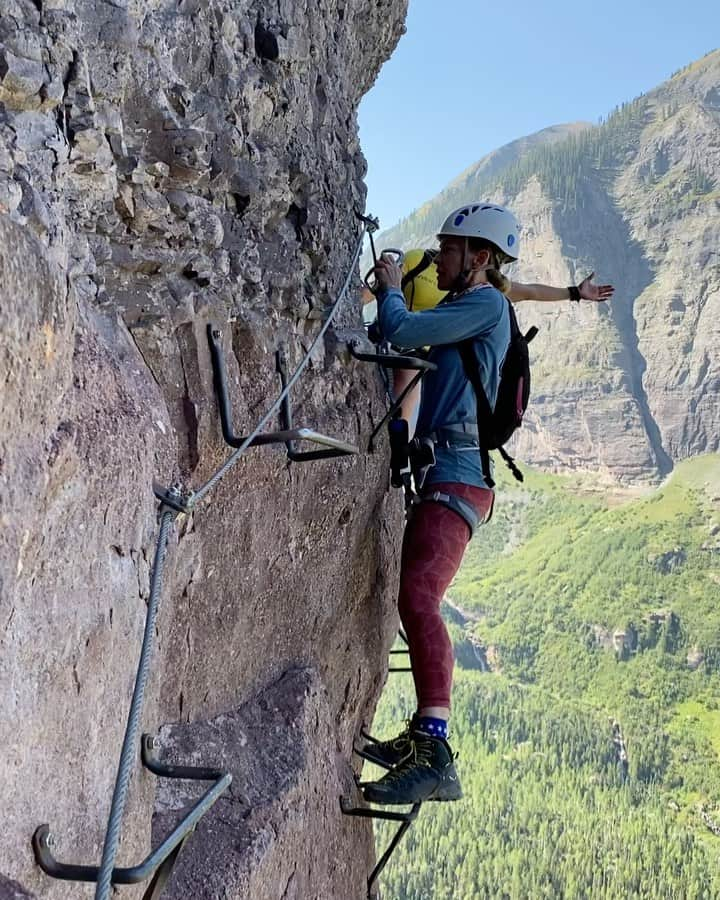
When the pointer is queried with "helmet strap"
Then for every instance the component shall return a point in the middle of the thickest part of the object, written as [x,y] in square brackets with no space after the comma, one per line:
[462,282]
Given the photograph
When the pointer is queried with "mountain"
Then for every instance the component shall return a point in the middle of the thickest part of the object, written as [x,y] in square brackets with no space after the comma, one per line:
[629,388]
[418,229]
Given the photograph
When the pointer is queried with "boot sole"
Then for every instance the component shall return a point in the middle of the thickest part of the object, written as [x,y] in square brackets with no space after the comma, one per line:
[442,794]
[450,796]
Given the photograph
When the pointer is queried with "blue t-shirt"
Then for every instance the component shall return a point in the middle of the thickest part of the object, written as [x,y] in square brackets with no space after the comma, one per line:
[448,397]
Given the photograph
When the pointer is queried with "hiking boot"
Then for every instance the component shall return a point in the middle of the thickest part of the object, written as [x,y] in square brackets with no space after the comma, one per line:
[389,753]
[427,772]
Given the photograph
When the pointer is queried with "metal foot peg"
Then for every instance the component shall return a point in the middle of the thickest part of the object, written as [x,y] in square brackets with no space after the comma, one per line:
[366,812]
[288,435]
[365,735]
[160,862]
[405,652]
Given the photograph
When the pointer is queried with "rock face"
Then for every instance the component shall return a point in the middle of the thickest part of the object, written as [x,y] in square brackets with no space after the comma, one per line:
[287,772]
[11,890]
[164,166]
[629,388]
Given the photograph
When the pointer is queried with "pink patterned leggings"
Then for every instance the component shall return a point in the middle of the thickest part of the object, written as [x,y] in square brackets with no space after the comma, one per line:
[433,547]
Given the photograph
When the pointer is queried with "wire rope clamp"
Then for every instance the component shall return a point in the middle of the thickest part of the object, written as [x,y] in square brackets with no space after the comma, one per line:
[174,497]
[372,223]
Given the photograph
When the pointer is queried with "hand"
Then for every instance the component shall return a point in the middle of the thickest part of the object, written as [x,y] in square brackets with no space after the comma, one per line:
[387,273]
[596,292]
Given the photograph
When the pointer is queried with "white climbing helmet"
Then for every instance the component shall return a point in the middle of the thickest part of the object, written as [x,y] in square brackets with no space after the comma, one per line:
[488,221]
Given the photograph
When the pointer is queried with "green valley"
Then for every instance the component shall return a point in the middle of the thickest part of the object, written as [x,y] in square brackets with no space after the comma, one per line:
[587,627]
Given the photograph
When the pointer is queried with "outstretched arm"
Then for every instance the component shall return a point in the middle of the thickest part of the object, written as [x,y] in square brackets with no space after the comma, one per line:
[544,292]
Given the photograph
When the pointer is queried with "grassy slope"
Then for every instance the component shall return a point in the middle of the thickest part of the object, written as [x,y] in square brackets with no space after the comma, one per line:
[581,561]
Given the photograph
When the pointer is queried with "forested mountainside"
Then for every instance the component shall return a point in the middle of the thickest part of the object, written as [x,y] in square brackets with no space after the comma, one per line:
[585,710]
[630,388]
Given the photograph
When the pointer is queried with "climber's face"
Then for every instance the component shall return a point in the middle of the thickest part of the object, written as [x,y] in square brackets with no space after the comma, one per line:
[449,261]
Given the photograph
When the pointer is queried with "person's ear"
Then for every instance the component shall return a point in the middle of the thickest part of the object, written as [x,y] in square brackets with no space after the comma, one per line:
[480,260]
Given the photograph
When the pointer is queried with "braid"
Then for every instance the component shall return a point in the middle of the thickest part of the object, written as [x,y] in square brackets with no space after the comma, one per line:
[498,280]
[497,258]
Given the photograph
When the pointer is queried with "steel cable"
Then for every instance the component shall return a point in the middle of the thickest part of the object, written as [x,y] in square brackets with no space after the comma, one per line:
[129,747]
[127,755]
[231,460]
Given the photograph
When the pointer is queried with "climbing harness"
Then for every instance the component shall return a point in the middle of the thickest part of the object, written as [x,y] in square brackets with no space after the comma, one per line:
[175,501]
[458,505]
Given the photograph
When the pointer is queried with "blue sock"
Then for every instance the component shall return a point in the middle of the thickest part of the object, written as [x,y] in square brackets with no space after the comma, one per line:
[437,728]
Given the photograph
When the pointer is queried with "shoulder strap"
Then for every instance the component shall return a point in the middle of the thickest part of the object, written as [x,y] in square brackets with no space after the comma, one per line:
[466,350]
[424,263]
[484,412]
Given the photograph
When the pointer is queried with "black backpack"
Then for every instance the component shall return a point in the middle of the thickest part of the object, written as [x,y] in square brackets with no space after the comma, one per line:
[496,427]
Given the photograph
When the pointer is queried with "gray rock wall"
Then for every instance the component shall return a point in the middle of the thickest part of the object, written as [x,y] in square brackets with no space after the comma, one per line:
[164,165]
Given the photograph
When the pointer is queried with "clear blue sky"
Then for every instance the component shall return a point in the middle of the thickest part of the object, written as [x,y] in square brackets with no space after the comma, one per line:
[470,76]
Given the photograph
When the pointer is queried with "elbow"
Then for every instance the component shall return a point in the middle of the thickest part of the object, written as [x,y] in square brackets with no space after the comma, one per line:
[394,331]
[396,337]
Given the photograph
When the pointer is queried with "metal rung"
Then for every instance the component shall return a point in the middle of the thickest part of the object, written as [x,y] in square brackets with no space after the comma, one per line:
[337,448]
[287,435]
[391,360]
[403,651]
[406,819]
[365,735]
[163,873]
[160,861]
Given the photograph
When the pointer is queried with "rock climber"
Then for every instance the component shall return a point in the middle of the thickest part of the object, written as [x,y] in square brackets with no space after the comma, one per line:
[468,302]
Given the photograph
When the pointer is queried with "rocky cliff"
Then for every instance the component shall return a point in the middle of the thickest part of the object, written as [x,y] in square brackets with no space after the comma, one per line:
[629,388]
[163,166]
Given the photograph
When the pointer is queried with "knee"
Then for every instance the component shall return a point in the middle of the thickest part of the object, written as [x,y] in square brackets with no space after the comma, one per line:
[418,610]
[410,611]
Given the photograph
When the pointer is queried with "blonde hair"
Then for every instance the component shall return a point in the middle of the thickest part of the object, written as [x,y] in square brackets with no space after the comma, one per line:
[496,278]
[497,259]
